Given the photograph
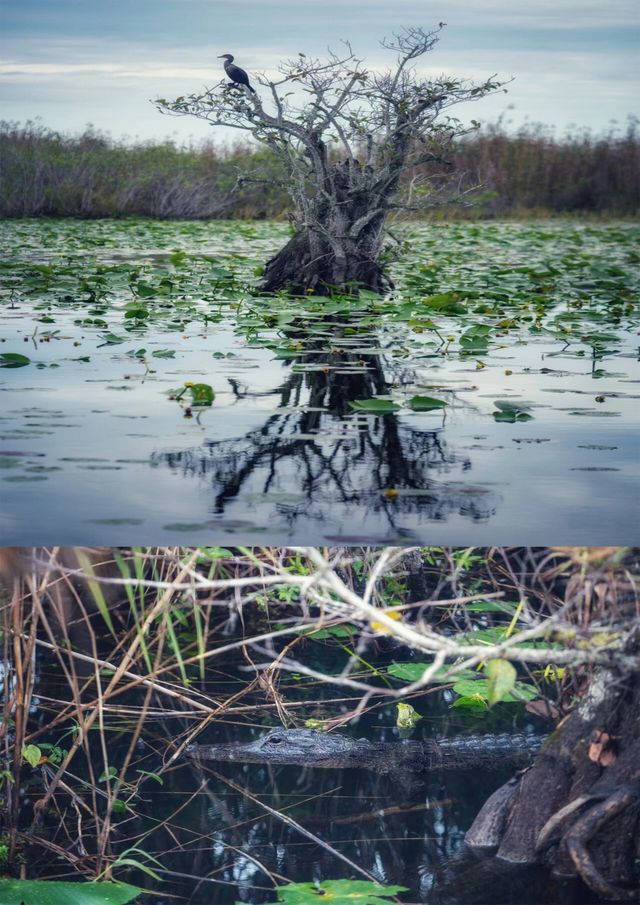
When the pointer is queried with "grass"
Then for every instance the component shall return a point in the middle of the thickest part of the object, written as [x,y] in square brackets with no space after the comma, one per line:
[530,172]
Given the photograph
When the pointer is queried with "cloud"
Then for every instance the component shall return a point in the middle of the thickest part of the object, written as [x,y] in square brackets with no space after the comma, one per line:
[543,14]
[155,71]
[573,60]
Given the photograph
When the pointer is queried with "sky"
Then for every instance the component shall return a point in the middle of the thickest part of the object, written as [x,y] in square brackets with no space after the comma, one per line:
[574,63]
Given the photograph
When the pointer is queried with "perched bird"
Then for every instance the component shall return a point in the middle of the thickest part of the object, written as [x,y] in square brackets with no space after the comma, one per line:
[238,76]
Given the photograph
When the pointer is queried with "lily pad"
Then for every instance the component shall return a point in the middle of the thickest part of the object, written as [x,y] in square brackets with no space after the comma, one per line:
[375,406]
[13,360]
[511,412]
[338,892]
[426,404]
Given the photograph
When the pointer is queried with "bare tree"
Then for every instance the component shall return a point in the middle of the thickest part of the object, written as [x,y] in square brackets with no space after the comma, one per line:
[350,150]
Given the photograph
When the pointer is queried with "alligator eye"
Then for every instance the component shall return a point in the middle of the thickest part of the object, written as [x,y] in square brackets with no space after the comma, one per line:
[274,740]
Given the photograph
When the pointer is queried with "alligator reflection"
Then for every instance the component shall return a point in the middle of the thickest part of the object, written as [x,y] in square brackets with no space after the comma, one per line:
[323,455]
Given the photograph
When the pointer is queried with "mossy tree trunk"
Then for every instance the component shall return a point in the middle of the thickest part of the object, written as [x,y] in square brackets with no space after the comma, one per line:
[577,809]
[339,244]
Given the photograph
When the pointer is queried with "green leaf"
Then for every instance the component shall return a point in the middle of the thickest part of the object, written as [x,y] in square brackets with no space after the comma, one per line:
[164,353]
[510,412]
[471,687]
[31,754]
[476,338]
[426,404]
[445,302]
[111,339]
[478,330]
[337,892]
[96,588]
[145,290]
[151,775]
[412,672]
[334,631]
[599,339]
[501,676]
[375,406]
[511,417]
[493,635]
[207,554]
[491,606]
[13,360]
[471,702]
[58,892]
[201,393]
[134,862]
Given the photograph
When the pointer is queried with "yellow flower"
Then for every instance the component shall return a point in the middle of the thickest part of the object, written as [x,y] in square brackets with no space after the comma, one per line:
[379,627]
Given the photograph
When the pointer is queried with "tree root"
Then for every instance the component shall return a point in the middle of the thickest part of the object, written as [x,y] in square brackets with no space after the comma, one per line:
[572,827]
[585,827]
[542,791]
[298,269]
[488,827]
[557,821]
[577,809]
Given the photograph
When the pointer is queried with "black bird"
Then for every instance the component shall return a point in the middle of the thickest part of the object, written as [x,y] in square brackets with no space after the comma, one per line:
[238,76]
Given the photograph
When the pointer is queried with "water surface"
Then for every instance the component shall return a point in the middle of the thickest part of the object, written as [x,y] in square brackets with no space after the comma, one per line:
[526,337]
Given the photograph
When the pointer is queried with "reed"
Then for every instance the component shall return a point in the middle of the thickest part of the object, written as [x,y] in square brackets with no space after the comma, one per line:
[530,172]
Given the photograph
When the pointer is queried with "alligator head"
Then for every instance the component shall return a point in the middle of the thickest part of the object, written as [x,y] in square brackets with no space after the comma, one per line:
[287,746]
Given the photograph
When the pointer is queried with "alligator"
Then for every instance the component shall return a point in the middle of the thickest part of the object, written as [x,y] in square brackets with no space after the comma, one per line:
[306,747]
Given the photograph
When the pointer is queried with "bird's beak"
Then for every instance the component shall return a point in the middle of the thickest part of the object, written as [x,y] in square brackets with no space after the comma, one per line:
[220,56]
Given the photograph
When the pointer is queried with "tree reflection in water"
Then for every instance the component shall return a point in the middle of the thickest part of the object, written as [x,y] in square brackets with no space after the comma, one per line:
[411,835]
[378,467]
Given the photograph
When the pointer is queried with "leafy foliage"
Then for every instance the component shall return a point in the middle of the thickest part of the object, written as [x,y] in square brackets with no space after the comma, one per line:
[31,754]
[13,360]
[501,679]
[426,404]
[58,892]
[474,691]
[338,892]
[486,689]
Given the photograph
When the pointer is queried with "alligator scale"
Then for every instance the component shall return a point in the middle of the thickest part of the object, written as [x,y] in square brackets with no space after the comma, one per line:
[305,747]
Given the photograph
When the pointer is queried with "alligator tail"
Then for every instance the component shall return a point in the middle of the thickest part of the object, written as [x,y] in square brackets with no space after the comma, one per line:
[467,751]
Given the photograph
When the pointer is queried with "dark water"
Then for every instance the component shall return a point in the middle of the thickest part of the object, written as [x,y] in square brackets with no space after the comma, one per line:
[213,840]
[400,830]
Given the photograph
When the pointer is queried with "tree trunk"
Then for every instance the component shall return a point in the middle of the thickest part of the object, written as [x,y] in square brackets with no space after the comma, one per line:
[578,808]
[338,242]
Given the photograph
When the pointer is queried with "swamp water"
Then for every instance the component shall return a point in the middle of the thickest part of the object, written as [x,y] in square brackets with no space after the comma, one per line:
[211,841]
[148,393]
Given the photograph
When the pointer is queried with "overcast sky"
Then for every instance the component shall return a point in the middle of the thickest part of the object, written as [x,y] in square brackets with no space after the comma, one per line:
[73,62]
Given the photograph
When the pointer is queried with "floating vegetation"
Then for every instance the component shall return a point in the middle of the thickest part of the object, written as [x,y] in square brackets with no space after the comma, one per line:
[365,410]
